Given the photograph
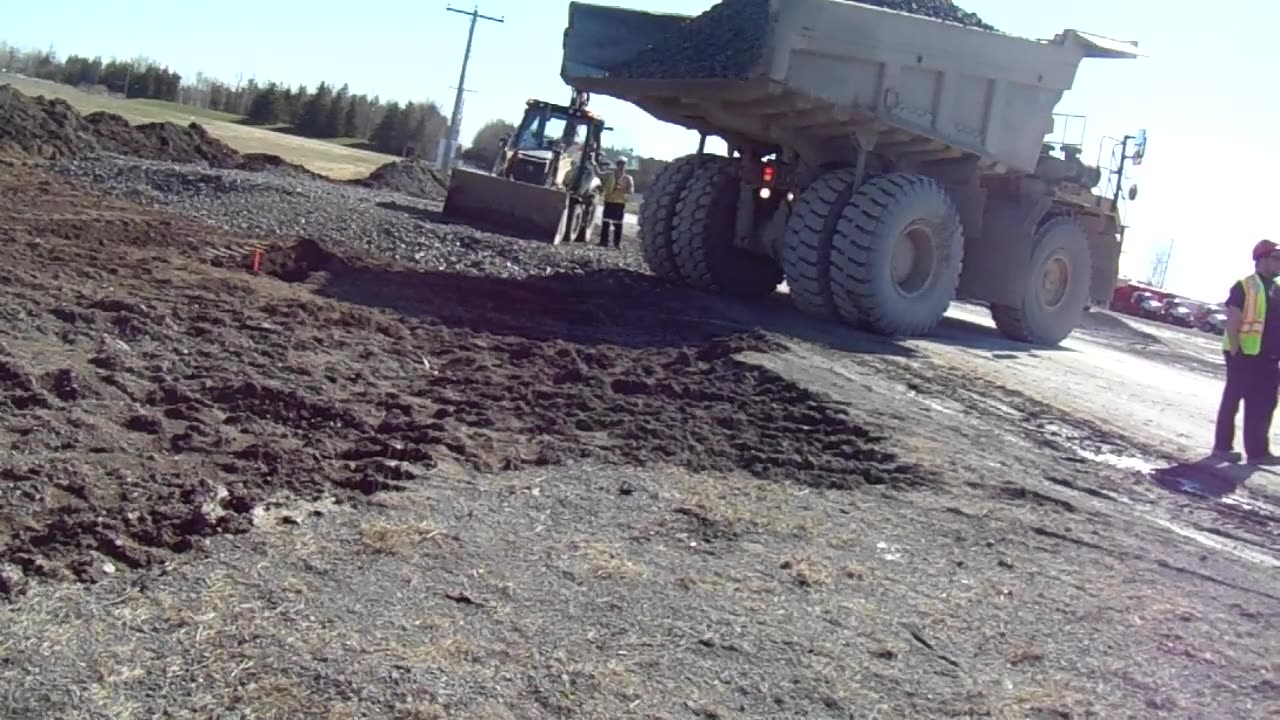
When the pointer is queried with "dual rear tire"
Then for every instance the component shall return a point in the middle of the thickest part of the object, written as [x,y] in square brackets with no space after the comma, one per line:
[886,255]
[687,230]
[1054,294]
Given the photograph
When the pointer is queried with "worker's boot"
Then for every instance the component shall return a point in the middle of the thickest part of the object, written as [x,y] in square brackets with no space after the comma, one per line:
[604,233]
[1225,456]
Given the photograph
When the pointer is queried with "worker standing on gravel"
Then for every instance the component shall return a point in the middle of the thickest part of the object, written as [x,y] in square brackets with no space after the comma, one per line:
[618,187]
[1251,346]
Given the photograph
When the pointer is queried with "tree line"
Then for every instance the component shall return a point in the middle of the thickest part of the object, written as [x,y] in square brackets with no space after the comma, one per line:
[328,112]
[137,78]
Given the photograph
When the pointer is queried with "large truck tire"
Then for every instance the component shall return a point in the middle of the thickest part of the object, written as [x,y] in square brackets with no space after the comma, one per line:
[702,237]
[1055,286]
[806,248]
[657,215]
[896,255]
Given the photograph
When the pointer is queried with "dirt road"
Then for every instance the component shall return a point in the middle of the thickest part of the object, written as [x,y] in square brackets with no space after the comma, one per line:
[1166,395]
[415,470]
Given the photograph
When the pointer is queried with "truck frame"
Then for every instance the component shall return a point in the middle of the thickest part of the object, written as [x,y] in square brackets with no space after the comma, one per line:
[882,164]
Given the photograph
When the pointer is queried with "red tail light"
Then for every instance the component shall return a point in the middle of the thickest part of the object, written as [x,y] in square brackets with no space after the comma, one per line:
[768,173]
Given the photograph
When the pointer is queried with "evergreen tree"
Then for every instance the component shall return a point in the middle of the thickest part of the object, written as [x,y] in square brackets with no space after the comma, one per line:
[384,136]
[265,107]
[349,124]
[311,122]
[334,114]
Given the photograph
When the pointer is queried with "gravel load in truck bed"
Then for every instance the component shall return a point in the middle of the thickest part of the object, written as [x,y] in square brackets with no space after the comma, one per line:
[726,41]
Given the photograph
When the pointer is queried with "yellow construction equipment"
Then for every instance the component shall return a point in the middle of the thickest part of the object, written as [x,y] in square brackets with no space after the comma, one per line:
[543,185]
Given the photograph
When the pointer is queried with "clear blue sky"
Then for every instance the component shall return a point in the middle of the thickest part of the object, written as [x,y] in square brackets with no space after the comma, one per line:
[1205,93]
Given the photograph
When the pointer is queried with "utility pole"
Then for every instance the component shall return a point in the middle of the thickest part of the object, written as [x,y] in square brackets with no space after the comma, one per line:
[1160,265]
[456,121]
[1139,152]
[445,141]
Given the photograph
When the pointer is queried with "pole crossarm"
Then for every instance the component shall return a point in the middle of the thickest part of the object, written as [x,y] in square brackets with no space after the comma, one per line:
[476,13]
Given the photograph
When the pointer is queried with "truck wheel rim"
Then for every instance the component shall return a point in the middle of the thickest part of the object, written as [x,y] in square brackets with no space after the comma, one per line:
[915,256]
[1054,282]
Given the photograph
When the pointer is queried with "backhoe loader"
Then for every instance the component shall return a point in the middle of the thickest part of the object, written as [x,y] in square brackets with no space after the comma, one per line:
[544,181]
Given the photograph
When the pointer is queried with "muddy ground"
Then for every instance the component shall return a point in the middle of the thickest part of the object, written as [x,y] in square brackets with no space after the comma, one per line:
[349,488]
[339,374]
[415,470]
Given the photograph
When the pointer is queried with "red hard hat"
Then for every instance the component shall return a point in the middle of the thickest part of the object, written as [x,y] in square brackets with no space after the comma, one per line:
[1264,248]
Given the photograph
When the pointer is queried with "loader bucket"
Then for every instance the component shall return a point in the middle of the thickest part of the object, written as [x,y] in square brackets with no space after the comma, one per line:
[515,208]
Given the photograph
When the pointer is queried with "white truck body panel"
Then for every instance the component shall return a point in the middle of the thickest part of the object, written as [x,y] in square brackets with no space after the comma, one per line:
[921,87]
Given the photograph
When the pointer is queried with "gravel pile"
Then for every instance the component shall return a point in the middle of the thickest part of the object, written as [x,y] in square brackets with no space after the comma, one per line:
[409,177]
[727,41]
[346,217]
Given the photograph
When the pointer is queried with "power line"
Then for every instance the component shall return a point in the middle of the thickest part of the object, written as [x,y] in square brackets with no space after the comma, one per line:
[455,123]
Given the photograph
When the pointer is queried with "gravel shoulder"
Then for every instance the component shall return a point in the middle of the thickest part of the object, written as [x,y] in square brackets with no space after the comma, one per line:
[494,479]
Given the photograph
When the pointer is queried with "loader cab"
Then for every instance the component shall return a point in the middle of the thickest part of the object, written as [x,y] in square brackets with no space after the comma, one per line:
[550,140]
[545,126]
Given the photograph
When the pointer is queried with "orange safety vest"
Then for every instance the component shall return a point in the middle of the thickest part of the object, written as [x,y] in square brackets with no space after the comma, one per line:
[1253,316]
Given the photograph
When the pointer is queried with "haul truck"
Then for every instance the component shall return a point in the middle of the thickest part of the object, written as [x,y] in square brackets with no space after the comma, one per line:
[882,163]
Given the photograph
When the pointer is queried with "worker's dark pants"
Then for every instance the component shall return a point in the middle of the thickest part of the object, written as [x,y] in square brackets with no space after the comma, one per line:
[614,213]
[1254,379]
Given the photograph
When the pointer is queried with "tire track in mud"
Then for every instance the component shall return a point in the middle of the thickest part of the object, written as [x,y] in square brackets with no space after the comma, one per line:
[151,400]
[1200,516]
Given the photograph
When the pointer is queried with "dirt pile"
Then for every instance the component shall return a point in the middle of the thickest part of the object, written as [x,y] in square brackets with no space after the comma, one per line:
[347,215]
[161,141]
[727,41]
[261,162]
[185,397]
[53,129]
[415,178]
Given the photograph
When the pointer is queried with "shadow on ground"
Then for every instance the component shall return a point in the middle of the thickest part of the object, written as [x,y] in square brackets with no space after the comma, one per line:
[1204,478]
[603,307]
[957,332]
[777,314]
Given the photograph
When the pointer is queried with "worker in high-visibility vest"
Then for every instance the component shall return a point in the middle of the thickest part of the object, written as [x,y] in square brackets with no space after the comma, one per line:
[1251,347]
[618,186]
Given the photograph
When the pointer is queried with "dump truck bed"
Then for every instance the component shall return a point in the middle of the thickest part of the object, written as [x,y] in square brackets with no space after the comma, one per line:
[799,72]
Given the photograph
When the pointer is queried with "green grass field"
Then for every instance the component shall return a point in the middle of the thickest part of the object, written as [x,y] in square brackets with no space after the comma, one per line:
[334,159]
